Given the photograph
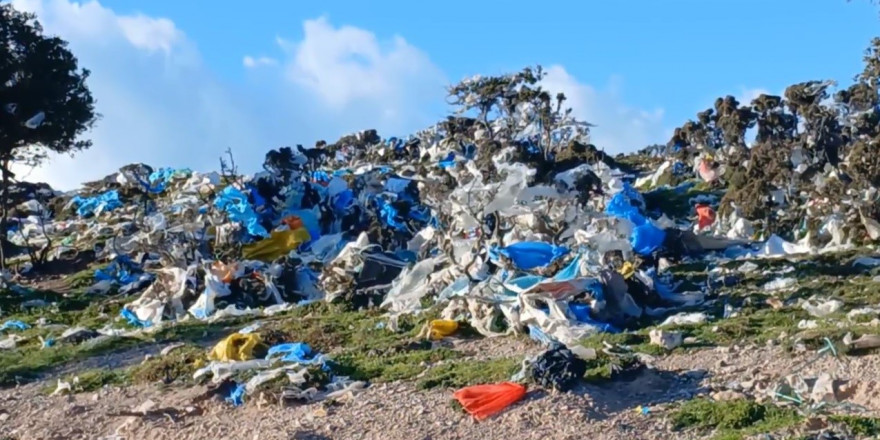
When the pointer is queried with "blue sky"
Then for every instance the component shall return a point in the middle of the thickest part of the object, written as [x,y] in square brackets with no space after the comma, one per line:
[640,68]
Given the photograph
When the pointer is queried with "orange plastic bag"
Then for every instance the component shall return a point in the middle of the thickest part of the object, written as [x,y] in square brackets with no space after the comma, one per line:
[705,216]
[293,222]
[483,401]
[225,272]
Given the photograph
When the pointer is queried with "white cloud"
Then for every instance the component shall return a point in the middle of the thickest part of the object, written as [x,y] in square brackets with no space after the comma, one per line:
[346,64]
[162,105]
[251,62]
[619,127]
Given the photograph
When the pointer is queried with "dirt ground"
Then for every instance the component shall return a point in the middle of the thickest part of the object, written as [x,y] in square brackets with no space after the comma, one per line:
[400,411]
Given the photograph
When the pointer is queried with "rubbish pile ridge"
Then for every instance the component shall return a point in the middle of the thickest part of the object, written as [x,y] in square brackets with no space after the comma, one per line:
[512,223]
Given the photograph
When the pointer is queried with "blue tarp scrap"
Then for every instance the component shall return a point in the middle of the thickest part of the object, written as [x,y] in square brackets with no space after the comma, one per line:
[469,151]
[321,176]
[296,352]
[647,238]
[167,174]
[236,205]
[679,168]
[581,313]
[133,319]
[120,270]
[397,185]
[539,336]
[571,271]
[389,215]
[343,200]
[236,395]
[107,201]
[14,324]
[449,161]
[527,255]
[420,213]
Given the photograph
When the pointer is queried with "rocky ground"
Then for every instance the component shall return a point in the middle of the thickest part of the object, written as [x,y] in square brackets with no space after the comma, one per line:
[400,411]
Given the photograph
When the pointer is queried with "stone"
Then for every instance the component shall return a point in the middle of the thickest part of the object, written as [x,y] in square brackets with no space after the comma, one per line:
[727,395]
[824,389]
[666,339]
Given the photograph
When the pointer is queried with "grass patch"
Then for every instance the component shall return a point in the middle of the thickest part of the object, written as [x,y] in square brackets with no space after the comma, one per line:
[735,419]
[676,202]
[91,380]
[27,362]
[859,426]
[388,368]
[178,365]
[359,341]
[465,373]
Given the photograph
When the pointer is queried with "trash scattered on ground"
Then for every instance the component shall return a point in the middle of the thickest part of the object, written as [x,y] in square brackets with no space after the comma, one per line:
[474,227]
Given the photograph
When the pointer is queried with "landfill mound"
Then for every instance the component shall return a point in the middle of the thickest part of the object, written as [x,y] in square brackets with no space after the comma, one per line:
[376,260]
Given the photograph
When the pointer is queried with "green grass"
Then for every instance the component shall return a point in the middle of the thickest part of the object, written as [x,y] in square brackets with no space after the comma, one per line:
[178,365]
[858,425]
[26,363]
[733,420]
[90,380]
[676,204]
[458,374]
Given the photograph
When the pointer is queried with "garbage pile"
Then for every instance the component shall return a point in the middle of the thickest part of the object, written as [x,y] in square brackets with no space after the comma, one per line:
[513,223]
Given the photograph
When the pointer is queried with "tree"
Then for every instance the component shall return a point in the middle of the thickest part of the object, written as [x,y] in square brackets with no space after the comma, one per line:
[44,101]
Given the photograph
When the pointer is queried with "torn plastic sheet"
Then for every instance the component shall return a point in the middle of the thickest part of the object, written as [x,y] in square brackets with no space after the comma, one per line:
[215,288]
[693,318]
[410,286]
[164,295]
[555,322]
[223,370]
[774,247]
[822,309]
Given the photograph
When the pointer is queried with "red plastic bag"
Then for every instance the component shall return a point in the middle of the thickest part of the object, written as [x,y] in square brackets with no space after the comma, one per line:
[705,216]
[483,401]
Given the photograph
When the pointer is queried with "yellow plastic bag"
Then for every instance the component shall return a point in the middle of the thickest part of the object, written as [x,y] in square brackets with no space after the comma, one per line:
[441,328]
[279,244]
[627,270]
[236,347]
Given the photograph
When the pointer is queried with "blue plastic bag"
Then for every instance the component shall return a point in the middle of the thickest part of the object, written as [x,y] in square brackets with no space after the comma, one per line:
[343,200]
[120,271]
[647,238]
[298,352]
[87,206]
[236,205]
[527,255]
[14,324]
[620,206]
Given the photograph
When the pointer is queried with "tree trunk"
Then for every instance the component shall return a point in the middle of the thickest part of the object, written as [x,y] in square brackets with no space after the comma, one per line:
[4,211]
